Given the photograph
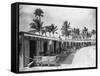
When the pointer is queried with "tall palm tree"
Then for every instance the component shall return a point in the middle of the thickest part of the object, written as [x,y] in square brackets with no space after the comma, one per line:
[53,29]
[48,29]
[37,23]
[65,29]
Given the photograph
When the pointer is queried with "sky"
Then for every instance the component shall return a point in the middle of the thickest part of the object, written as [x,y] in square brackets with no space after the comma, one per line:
[78,17]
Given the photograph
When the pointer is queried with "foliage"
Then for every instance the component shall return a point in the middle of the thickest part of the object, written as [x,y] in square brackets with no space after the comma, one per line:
[37,23]
[65,28]
[38,12]
[53,28]
[93,31]
[84,32]
[75,33]
[89,35]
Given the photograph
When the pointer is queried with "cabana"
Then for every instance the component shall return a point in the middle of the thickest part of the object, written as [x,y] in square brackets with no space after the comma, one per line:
[43,50]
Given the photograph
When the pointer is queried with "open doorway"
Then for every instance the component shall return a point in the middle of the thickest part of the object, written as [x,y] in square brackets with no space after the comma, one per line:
[32,49]
[45,47]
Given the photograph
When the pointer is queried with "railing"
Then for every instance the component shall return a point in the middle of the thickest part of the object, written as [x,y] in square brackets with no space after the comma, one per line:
[43,60]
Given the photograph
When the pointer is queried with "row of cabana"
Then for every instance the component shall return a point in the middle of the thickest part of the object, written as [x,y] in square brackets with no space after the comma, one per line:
[35,45]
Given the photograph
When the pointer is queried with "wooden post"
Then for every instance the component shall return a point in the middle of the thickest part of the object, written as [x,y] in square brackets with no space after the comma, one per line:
[38,47]
[21,58]
[27,52]
[54,47]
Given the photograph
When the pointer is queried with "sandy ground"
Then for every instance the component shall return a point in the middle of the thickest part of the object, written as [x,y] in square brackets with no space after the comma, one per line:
[85,57]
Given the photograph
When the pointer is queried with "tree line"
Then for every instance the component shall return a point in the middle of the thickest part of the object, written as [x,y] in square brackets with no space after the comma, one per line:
[67,31]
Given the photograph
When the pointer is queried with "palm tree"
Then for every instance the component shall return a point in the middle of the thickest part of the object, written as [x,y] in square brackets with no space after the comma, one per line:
[78,31]
[37,23]
[65,28]
[44,30]
[89,35]
[36,26]
[53,29]
[93,32]
[48,29]
[75,33]
[38,13]
[84,32]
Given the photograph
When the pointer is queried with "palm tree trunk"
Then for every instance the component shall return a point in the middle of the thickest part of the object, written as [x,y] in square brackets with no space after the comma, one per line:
[53,34]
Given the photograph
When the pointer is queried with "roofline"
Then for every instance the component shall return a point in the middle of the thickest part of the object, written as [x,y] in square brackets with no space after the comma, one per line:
[57,39]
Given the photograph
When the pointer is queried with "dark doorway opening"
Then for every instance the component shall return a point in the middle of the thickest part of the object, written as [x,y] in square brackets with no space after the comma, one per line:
[55,47]
[45,47]
[32,49]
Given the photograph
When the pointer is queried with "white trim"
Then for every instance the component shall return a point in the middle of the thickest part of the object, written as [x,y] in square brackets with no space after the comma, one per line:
[57,39]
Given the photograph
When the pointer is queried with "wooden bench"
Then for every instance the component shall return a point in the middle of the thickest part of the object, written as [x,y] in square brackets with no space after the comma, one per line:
[44,60]
[47,60]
